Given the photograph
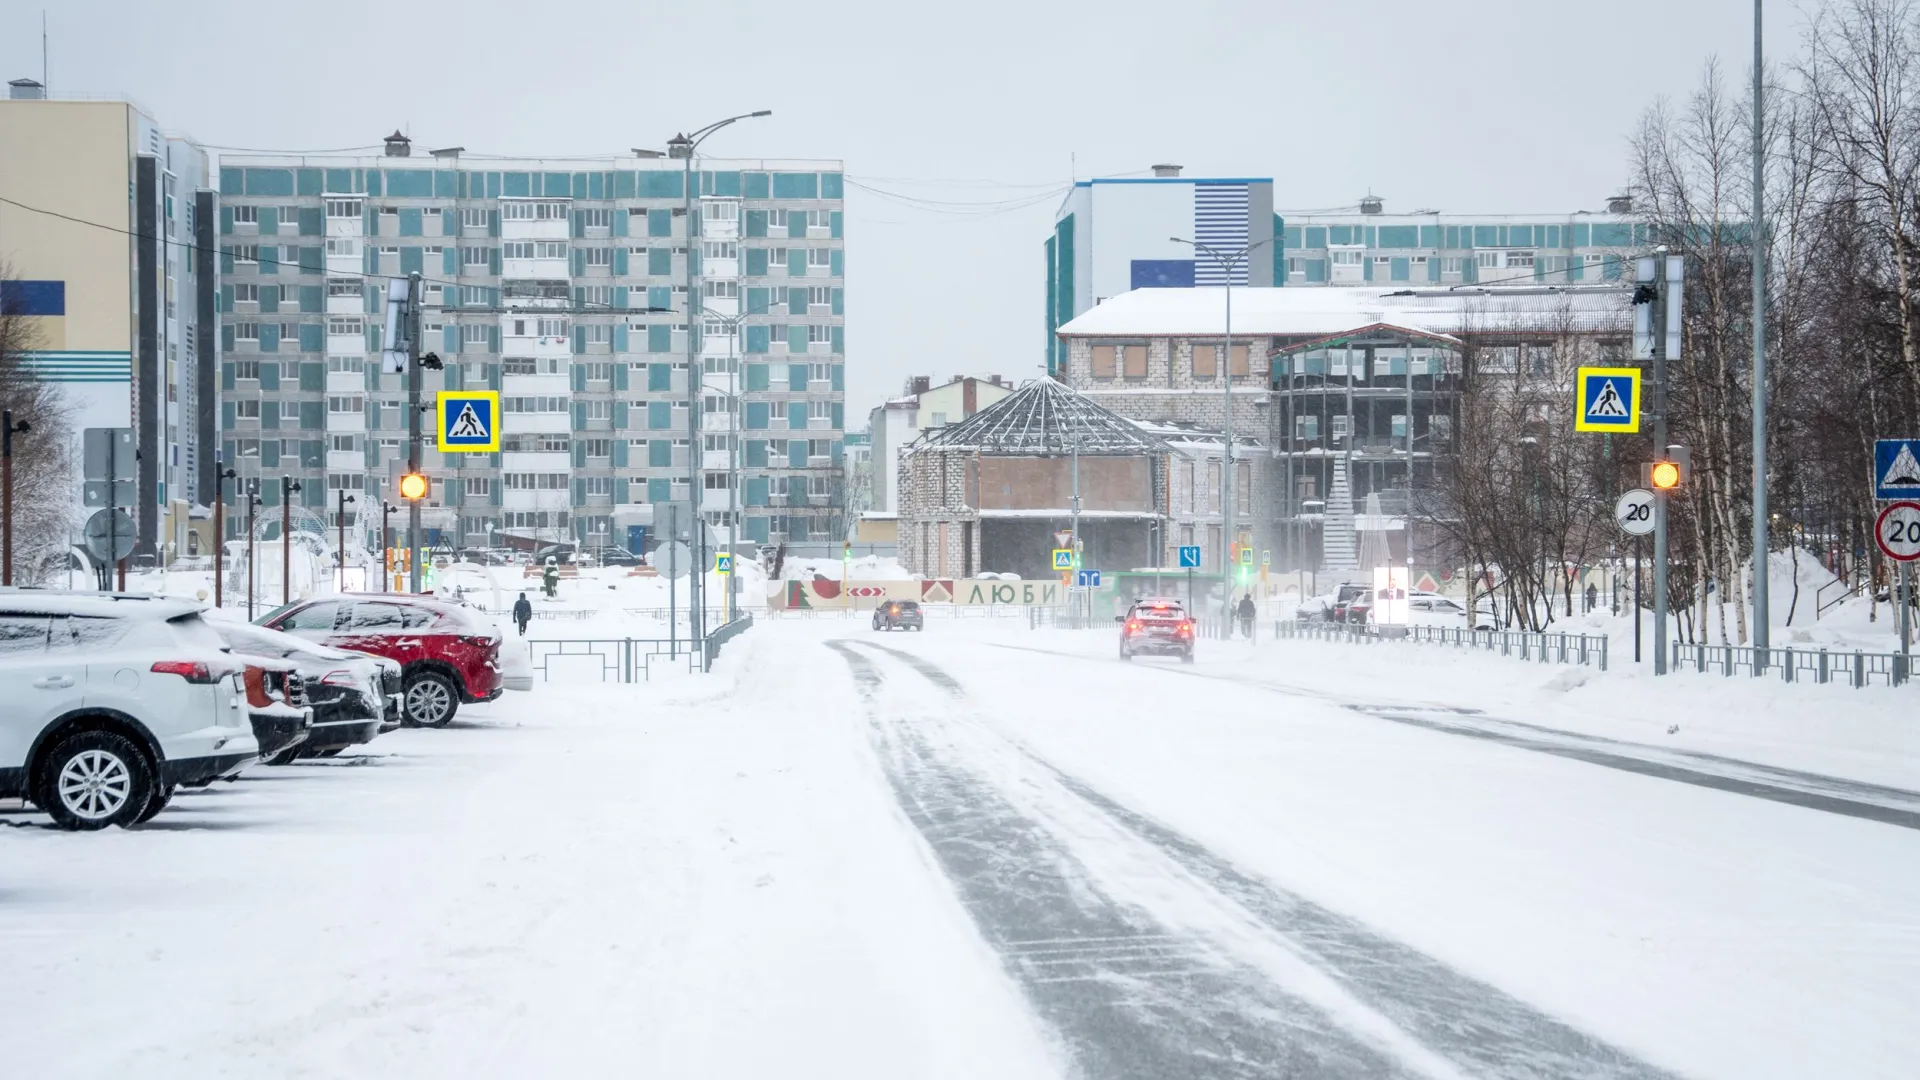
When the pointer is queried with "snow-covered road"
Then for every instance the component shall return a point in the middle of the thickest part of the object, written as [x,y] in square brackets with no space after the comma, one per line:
[981,851]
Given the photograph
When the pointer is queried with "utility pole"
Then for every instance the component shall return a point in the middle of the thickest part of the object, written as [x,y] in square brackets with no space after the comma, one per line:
[413,425]
[340,547]
[253,510]
[682,147]
[287,488]
[220,477]
[1761,540]
[7,431]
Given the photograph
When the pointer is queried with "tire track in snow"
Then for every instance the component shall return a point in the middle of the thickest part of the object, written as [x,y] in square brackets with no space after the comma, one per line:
[1132,999]
[1811,791]
[1481,1029]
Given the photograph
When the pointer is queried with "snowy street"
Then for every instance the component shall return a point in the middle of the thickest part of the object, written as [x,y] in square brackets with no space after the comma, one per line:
[984,850]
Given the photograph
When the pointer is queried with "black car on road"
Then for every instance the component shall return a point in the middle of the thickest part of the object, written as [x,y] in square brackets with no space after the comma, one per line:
[899,615]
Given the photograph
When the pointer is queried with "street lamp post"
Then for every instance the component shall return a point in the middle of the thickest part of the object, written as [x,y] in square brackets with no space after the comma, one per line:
[1228,262]
[8,429]
[386,544]
[220,478]
[288,485]
[682,147]
[253,513]
[340,553]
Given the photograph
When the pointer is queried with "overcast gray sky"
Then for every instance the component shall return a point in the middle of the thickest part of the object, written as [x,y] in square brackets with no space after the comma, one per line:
[1461,105]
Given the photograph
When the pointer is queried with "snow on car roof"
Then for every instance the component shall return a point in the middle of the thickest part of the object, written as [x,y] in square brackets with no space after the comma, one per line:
[97,604]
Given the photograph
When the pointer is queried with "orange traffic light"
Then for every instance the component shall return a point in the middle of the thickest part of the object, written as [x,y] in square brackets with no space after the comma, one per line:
[1666,475]
[413,487]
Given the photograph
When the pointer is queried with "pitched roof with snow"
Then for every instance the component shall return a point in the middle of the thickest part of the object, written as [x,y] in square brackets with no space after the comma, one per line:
[1043,417]
[1336,309]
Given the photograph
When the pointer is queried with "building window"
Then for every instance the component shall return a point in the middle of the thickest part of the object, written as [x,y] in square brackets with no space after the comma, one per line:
[721,288]
[246,294]
[1520,259]
[247,410]
[246,254]
[539,404]
[343,287]
[246,369]
[600,485]
[340,327]
[343,443]
[343,208]
[720,210]
[1338,428]
[477,256]
[1306,428]
[597,219]
[1346,258]
[534,481]
[1133,360]
[519,210]
[344,365]
[599,447]
[819,335]
[1103,361]
[599,256]
[474,217]
[346,403]
[1206,361]
[246,215]
[596,296]
[246,331]
[342,246]
[819,256]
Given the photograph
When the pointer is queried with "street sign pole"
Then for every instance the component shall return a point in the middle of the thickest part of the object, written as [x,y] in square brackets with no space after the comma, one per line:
[1639,558]
[1906,607]
[673,537]
[413,324]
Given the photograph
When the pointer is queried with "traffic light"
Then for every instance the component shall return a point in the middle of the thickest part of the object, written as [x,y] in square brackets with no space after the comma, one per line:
[1670,473]
[413,487]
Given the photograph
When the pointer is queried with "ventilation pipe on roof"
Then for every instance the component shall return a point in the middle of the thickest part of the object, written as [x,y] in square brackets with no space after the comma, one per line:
[26,90]
[1372,204]
[1620,204]
[399,145]
[1166,170]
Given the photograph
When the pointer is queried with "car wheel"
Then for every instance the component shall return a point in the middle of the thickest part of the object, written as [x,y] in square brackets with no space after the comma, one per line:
[430,700]
[1187,657]
[93,780]
[156,803]
[1124,654]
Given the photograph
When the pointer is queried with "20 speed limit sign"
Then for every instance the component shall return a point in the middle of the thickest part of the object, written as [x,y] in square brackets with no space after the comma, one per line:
[1634,512]
[1897,531]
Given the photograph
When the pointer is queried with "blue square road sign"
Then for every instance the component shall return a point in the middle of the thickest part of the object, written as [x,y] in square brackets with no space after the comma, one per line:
[1190,557]
[1896,469]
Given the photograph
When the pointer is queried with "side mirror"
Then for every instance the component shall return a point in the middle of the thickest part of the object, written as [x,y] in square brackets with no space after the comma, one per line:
[1119,618]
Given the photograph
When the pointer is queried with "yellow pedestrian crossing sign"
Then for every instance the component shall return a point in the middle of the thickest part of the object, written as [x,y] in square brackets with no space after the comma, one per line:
[1607,399]
[723,563]
[469,421]
[1063,558]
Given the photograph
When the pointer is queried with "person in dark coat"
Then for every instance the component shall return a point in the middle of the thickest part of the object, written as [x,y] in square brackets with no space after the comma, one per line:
[522,613]
[1246,612]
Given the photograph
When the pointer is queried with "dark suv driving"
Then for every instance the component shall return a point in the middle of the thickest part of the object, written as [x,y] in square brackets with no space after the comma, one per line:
[448,654]
[899,615]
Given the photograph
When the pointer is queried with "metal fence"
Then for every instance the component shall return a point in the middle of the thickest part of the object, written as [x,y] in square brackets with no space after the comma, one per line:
[1856,668]
[629,660]
[1585,649]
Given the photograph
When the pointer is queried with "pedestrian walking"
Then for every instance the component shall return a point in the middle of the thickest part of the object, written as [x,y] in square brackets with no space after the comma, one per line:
[1593,597]
[522,613]
[1246,612]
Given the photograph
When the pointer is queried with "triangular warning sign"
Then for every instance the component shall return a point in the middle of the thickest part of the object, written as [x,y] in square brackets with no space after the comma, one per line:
[467,425]
[1607,403]
[1904,472]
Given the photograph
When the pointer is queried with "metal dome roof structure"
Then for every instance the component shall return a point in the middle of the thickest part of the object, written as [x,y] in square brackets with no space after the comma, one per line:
[1043,417]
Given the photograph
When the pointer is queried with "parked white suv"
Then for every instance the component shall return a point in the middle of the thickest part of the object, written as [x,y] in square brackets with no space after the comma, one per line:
[108,702]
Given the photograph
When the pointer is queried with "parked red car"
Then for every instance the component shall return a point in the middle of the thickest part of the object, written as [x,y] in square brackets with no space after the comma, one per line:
[448,654]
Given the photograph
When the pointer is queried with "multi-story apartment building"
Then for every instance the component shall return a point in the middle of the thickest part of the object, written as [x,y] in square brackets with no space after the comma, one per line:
[108,215]
[564,285]
[1111,236]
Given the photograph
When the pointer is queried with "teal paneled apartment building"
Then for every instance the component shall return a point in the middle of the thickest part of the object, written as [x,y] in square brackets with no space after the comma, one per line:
[562,284]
